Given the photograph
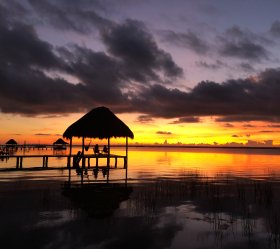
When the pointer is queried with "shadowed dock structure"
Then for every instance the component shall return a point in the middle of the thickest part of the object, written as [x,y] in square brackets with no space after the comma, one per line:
[99,123]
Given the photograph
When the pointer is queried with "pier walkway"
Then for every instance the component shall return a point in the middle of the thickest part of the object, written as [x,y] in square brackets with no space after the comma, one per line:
[85,160]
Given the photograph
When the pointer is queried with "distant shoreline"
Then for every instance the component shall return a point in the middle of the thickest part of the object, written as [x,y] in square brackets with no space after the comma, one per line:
[43,146]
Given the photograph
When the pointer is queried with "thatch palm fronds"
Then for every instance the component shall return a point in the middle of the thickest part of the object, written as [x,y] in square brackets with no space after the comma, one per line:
[98,123]
[11,142]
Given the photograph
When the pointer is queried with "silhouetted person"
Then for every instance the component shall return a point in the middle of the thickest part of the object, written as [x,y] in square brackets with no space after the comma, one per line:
[105,149]
[104,172]
[95,173]
[77,159]
[96,149]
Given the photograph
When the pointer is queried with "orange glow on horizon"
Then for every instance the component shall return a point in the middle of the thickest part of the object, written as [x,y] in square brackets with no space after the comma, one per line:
[203,162]
[46,130]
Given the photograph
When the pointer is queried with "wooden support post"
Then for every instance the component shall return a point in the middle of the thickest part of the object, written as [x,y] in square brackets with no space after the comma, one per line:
[70,154]
[116,161]
[108,155]
[69,162]
[44,163]
[126,153]
[108,169]
[82,175]
[83,145]
[20,162]
[96,162]
[88,162]
[126,147]
[17,165]
[126,176]
[125,162]
[83,162]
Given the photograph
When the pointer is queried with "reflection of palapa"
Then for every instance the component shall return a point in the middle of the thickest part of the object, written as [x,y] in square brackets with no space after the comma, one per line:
[98,200]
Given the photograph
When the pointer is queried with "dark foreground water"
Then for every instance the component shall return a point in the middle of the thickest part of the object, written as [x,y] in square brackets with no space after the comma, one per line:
[173,199]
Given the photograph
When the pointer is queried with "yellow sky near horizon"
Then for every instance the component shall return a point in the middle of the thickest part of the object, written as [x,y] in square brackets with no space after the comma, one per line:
[44,129]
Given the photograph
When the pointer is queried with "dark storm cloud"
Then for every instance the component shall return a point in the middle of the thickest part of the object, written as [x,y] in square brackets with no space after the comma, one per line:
[188,40]
[127,76]
[11,10]
[79,16]
[30,92]
[233,100]
[243,44]
[100,74]
[25,87]
[142,58]
[275,28]
[211,66]
[29,68]
[247,67]
[20,46]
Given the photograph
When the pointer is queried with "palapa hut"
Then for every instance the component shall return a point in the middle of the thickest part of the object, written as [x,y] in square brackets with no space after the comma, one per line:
[59,144]
[11,143]
[98,123]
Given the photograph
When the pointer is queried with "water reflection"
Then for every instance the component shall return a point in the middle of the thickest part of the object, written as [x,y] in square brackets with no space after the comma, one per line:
[239,212]
[98,200]
[192,211]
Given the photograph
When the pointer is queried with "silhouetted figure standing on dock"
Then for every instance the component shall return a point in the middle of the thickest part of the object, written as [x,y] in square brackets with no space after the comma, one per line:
[96,149]
[105,149]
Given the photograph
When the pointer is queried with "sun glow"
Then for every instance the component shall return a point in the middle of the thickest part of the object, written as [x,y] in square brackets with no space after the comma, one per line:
[46,129]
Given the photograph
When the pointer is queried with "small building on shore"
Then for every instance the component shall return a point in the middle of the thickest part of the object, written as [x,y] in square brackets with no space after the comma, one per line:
[60,144]
[11,144]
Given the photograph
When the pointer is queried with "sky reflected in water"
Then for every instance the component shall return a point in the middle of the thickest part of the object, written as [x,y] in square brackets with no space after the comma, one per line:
[173,199]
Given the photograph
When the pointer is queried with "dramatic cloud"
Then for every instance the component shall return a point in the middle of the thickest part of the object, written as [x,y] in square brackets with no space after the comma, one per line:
[234,100]
[128,71]
[243,44]
[20,46]
[101,78]
[135,46]
[211,66]
[275,29]
[247,67]
[80,16]
[187,40]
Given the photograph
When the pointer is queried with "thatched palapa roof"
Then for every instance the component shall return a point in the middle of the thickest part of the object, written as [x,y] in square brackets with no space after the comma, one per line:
[98,123]
[11,142]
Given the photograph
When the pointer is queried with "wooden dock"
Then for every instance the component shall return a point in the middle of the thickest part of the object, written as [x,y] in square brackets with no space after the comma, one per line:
[85,160]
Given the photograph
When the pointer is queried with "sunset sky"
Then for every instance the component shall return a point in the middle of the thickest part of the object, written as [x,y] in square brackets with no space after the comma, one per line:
[181,71]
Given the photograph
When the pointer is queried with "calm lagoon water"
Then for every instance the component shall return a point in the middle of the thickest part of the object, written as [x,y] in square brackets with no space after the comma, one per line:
[174,198]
